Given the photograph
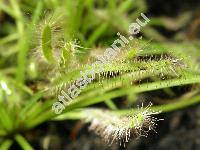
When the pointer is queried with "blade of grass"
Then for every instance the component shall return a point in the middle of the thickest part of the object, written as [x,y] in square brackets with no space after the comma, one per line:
[37,13]
[126,5]
[6,145]
[7,9]
[23,142]
[5,119]
[9,38]
[110,104]
[34,99]
[38,114]
[19,19]
[3,132]
[24,41]
[96,34]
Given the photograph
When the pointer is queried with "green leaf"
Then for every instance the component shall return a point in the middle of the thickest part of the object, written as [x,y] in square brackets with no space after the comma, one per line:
[39,113]
[126,5]
[46,44]
[6,145]
[187,100]
[5,118]
[96,34]
[110,104]
[7,9]
[23,142]
[96,98]
[31,103]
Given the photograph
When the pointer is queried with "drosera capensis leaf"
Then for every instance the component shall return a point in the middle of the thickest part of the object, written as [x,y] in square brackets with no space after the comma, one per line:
[165,67]
[92,98]
[66,57]
[49,38]
[47,44]
[188,99]
[113,128]
[81,102]
[181,103]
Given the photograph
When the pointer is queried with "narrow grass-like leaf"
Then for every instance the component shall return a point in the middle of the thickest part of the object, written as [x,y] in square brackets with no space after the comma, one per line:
[37,13]
[9,38]
[38,109]
[96,34]
[7,9]
[5,119]
[39,113]
[44,116]
[31,103]
[23,142]
[126,5]
[6,145]
[111,104]
[3,132]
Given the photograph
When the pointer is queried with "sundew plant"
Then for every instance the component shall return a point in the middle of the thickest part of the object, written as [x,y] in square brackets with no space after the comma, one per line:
[46,46]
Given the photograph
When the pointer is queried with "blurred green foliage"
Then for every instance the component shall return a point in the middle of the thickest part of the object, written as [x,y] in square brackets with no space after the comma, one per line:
[26,79]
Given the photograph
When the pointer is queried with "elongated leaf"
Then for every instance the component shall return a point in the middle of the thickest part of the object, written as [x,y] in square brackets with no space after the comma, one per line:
[5,119]
[23,142]
[31,103]
[46,43]
[6,145]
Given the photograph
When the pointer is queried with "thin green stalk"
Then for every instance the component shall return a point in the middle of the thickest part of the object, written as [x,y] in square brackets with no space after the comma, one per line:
[23,142]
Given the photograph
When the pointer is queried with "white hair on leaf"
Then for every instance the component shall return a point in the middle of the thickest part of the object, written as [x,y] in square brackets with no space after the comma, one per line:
[120,129]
